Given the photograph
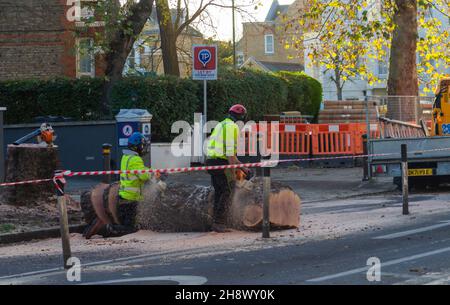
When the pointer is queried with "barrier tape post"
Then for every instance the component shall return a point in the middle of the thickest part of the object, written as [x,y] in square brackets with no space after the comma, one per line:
[59,181]
[366,158]
[265,173]
[106,152]
[2,154]
[266,196]
[405,186]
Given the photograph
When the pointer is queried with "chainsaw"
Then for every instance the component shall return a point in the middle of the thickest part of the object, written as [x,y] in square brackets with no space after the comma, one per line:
[45,136]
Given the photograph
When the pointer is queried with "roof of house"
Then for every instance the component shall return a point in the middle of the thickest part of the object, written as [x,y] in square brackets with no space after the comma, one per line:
[275,10]
[282,66]
[274,66]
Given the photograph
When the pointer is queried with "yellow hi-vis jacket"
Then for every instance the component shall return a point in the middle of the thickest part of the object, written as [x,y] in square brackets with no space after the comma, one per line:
[131,184]
[224,140]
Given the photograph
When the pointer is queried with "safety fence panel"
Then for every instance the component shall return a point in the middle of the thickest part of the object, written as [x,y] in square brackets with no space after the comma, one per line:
[252,135]
[295,139]
[360,129]
[332,139]
[307,139]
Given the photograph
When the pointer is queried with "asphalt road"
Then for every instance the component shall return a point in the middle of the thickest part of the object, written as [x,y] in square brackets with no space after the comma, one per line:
[409,254]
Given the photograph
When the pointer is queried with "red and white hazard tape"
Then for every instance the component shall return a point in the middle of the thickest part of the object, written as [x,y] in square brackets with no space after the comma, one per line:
[206,168]
[25,182]
[165,170]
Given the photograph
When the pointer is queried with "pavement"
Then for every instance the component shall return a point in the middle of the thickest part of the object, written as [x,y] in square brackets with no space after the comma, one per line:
[337,243]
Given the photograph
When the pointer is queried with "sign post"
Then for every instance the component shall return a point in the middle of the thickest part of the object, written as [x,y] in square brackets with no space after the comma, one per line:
[2,156]
[205,69]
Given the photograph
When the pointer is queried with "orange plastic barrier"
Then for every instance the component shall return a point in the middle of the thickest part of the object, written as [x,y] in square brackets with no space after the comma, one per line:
[307,139]
[295,139]
[333,139]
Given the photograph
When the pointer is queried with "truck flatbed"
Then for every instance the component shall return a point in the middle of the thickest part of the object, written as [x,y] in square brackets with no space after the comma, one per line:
[428,159]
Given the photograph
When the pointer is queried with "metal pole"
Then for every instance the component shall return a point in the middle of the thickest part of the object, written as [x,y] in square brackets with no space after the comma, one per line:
[2,147]
[205,119]
[205,101]
[234,34]
[365,159]
[366,99]
[63,219]
[106,152]
[405,186]
[266,202]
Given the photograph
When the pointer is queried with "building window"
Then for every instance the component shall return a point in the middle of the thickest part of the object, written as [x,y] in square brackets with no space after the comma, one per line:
[269,44]
[383,67]
[132,59]
[85,57]
[239,58]
[87,13]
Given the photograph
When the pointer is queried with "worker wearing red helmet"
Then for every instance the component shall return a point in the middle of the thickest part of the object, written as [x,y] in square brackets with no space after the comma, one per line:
[222,150]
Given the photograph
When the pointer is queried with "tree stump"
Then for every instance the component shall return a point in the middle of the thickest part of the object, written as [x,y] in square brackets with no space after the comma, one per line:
[29,162]
[189,208]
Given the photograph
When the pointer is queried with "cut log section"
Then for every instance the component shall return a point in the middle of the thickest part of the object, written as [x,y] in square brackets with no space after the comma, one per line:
[29,162]
[188,208]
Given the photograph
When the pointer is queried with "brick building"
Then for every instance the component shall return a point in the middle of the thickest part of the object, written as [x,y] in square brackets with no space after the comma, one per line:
[37,40]
[266,45]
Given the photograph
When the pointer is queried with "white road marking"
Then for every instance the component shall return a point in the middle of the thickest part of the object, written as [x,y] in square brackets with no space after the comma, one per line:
[442,281]
[180,279]
[414,231]
[383,264]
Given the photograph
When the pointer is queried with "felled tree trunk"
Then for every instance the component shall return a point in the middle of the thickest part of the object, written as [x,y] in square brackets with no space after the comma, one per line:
[29,162]
[189,208]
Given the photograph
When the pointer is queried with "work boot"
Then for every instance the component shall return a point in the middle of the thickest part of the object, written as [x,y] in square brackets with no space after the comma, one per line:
[114,230]
[220,228]
[94,228]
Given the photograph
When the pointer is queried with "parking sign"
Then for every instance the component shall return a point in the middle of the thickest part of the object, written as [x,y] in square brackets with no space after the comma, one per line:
[204,62]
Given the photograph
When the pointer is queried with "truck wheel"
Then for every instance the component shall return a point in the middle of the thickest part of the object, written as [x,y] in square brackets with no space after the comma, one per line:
[398,182]
[418,183]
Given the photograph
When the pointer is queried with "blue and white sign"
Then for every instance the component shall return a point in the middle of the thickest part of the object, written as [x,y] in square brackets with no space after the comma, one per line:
[125,130]
[146,129]
[204,56]
[446,128]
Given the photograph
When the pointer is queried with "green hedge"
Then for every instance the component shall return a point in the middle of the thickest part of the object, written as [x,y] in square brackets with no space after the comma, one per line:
[261,93]
[305,92]
[168,98]
[28,99]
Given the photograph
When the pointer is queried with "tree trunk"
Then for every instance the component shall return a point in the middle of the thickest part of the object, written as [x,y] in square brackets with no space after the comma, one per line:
[168,37]
[121,45]
[403,80]
[339,92]
[189,208]
[29,162]
[337,82]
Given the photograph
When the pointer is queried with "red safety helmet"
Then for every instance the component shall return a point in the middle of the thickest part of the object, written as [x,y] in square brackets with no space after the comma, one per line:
[238,110]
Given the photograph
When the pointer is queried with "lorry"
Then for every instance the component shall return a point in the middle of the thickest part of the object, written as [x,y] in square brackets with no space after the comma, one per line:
[428,155]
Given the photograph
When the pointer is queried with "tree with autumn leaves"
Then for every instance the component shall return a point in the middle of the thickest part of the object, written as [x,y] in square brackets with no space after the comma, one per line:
[344,36]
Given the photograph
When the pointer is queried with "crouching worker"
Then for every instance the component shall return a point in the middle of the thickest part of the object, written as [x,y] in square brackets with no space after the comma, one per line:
[130,192]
